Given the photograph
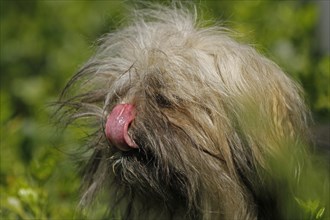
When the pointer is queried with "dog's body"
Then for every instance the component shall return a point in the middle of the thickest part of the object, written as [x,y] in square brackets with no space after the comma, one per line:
[186,118]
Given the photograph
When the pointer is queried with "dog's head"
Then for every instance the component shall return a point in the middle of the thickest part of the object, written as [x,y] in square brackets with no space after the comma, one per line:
[183,113]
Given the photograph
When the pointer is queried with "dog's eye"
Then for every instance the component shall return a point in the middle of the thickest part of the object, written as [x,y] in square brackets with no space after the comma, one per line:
[162,101]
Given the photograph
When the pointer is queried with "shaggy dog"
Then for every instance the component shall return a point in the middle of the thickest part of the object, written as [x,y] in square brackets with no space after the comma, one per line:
[186,120]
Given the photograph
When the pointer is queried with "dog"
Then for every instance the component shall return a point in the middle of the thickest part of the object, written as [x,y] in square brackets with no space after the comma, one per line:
[186,120]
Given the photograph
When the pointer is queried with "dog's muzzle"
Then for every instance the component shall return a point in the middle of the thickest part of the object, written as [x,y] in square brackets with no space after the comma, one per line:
[117,125]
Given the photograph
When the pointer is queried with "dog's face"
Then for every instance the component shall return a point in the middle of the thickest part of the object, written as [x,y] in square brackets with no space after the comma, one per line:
[173,107]
[164,118]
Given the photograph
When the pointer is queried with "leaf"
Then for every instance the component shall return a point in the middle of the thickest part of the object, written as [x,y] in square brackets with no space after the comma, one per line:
[320,213]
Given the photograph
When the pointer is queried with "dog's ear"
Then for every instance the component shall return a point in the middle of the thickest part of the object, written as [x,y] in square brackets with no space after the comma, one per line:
[284,104]
[262,102]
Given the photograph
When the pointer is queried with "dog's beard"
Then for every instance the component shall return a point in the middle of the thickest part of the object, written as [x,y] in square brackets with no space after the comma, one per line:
[157,171]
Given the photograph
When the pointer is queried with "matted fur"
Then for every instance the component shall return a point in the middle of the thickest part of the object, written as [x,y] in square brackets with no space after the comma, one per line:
[209,112]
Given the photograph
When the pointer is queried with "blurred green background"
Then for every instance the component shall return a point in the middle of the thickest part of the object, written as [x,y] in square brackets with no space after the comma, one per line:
[44,42]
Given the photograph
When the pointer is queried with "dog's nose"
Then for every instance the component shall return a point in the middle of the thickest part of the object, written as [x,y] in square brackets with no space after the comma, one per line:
[116,128]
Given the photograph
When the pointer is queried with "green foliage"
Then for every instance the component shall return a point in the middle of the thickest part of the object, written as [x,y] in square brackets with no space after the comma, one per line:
[312,208]
[44,42]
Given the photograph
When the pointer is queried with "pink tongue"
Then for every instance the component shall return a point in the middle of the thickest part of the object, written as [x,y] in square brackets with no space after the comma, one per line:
[116,128]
